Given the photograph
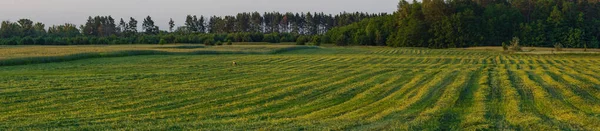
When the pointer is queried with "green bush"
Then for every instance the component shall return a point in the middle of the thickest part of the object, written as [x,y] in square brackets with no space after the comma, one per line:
[208,42]
[103,41]
[50,41]
[38,41]
[162,41]
[26,41]
[301,40]
[271,38]
[342,40]
[558,47]
[8,41]
[316,41]
[514,45]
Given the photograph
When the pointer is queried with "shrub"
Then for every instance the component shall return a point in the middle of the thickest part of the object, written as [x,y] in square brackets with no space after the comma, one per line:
[301,40]
[316,41]
[115,42]
[38,41]
[514,45]
[342,40]
[208,42]
[504,46]
[59,41]
[271,38]
[26,41]
[162,41]
[558,47]
[229,42]
[9,41]
[219,43]
[283,40]
[102,40]
[234,37]
[50,41]
[593,43]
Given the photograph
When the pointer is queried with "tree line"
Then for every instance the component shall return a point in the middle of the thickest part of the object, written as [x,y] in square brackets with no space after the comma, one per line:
[466,23]
[430,23]
[244,27]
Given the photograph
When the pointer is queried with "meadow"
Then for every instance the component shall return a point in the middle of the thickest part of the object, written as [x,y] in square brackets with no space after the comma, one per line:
[288,87]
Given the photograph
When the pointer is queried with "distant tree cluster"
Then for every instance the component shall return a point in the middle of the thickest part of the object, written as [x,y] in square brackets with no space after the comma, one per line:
[465,23]
[244,27]
[373,32]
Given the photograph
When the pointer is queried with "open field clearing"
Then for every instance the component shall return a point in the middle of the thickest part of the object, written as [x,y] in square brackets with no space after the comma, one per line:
[329,88]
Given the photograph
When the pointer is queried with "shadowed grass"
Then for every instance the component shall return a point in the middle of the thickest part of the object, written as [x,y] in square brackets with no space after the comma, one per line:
[49,59]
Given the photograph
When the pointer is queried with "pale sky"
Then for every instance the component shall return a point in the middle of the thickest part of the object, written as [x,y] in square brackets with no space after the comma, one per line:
[52,12]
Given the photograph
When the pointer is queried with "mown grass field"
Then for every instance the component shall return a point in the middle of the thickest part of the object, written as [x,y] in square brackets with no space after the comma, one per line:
[329,88]
[12,52]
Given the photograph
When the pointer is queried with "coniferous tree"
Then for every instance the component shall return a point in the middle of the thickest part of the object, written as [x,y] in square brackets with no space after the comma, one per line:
[88,28]
[201,25]
[242,22]
[132,26]
[149,27]
[9,29]
[122,26]
[267,18]
[256,22]
[229,24]
[171,25]
[190,23]
[26,27]
[66,30]
[39,29]
[310,23]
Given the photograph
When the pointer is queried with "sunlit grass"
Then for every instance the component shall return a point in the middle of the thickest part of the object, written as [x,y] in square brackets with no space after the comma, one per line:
[287,87]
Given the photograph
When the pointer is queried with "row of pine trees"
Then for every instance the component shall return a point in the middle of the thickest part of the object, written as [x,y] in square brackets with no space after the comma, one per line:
[270,22]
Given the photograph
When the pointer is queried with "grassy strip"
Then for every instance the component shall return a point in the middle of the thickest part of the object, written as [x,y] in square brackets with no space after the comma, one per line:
[50,59]
[472,103]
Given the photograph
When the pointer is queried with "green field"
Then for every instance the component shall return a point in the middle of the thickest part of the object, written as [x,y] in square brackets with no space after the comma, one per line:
[327,88]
